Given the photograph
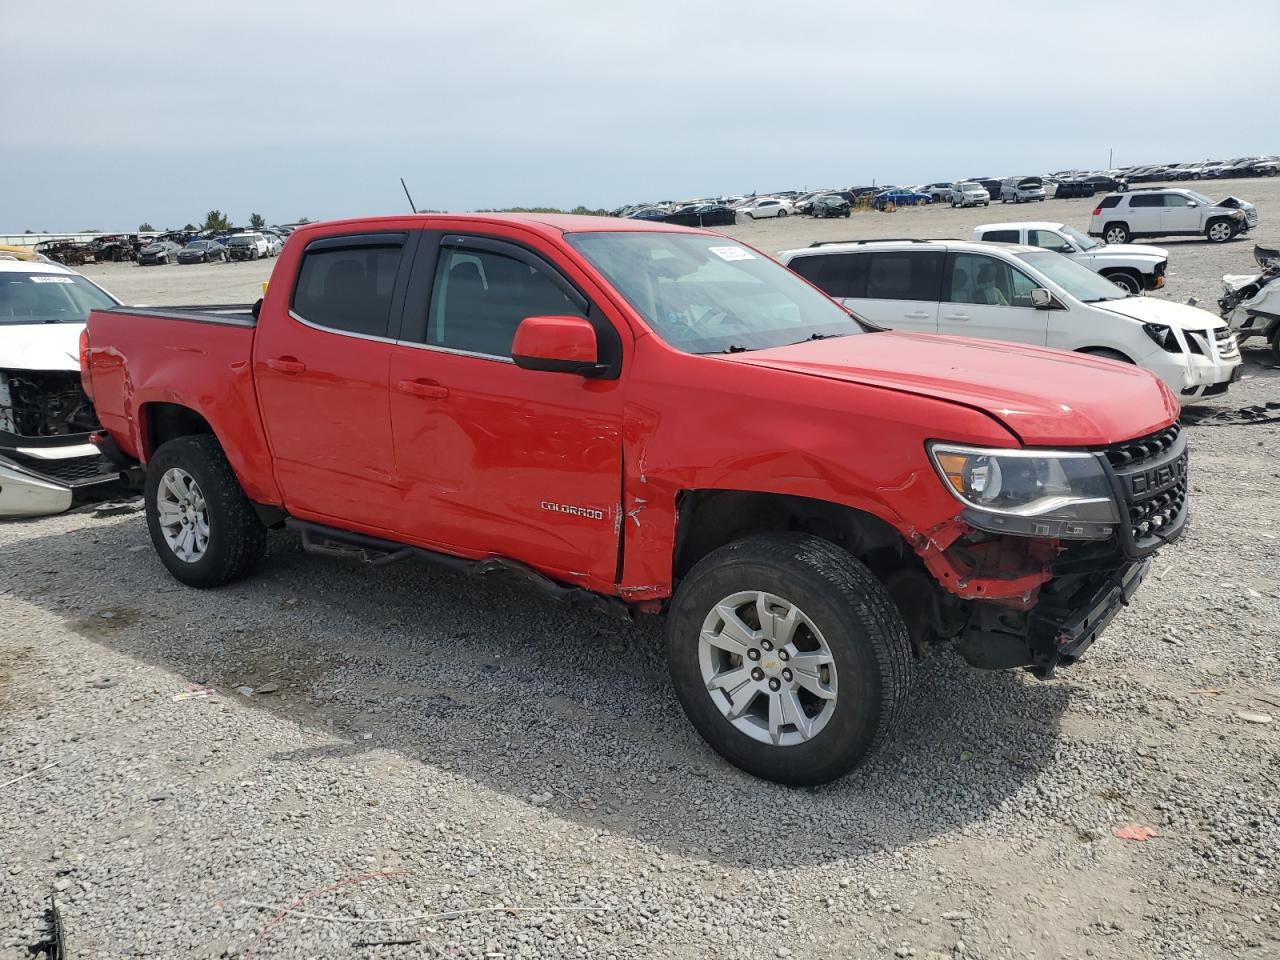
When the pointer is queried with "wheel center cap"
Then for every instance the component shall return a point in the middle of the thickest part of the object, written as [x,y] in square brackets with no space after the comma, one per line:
[770,664]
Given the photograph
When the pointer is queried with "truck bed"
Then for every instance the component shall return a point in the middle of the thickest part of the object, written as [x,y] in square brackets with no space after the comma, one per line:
[146,363]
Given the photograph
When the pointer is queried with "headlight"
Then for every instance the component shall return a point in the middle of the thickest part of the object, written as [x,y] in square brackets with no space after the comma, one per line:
[1032,493]
[1162,335]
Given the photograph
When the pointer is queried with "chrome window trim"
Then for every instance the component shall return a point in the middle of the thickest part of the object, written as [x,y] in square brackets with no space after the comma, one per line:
[341,333]
[398,343]
[456,352]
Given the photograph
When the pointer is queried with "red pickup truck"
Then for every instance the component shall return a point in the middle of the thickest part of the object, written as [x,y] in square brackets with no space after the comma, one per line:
[656,419]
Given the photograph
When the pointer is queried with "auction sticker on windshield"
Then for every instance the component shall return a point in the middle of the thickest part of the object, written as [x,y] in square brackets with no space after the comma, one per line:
[731,253]
[52,280]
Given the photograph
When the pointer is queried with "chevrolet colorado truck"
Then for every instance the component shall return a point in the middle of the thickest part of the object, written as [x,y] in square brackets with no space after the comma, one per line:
[655,419]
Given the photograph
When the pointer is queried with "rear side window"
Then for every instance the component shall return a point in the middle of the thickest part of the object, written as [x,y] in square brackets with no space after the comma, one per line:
[349,288]
[1001,236]
[904,275]
[1146,200]
[480,297]
[1108,202]
[836,274]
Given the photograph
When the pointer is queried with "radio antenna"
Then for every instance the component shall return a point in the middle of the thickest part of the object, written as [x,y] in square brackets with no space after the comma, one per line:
[409,198]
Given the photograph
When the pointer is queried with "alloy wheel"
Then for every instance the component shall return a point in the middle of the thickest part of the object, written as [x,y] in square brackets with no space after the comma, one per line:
[767,668]
[184,515]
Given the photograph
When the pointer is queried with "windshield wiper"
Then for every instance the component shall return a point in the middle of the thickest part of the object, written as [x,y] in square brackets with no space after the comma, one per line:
[735,348]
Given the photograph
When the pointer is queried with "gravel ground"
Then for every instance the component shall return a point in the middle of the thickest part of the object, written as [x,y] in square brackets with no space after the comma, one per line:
[519,780]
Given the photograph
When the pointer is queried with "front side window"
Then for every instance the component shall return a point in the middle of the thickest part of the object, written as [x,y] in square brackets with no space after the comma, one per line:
[347,289]
[986,281]
[49,298]
[1047,239]
[706,294]
[479,298]
[904,275]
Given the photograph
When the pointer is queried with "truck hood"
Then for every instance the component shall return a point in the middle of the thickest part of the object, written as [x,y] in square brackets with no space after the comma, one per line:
[1123,251]
[1154,310]
[1045,397]
[40,346]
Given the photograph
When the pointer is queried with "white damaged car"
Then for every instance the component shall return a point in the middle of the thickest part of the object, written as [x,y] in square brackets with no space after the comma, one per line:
[1133,267]
[47,461]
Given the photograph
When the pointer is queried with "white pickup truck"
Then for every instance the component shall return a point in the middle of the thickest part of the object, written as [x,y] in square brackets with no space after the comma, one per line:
[1131,266]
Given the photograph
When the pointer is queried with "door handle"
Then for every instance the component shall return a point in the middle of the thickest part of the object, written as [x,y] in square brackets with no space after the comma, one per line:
[286,365]
[427,389]
[919,315]
[956,316]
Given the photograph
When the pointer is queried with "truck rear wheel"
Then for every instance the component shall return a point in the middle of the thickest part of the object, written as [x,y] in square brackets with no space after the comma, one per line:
[201,524]
[789,657]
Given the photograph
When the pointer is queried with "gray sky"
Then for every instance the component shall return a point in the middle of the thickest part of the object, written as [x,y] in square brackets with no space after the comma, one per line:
[118,113]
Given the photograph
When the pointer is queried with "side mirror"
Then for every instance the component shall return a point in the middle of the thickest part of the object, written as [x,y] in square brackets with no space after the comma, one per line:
[1041,298]
[556,345]
[1067,248]
[1191,203]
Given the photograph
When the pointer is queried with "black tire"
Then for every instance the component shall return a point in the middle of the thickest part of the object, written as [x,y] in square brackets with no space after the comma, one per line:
[781,214]
[847,213]
[1128,280]
[1116,233]
[865,635]
[237,538]
[1275,345]
[1214,232]
[1107,354]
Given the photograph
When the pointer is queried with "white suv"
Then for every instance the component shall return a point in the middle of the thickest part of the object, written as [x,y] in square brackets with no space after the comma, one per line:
[1025,294]
[1170,212]
[1128,265]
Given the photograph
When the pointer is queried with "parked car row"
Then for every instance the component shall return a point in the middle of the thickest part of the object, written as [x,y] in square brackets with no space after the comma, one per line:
[246,245]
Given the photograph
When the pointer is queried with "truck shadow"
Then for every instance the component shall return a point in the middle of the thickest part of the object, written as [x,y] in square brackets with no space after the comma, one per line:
[551,705]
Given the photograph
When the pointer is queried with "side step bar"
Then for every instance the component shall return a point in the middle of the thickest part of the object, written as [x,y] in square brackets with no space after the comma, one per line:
[376,552]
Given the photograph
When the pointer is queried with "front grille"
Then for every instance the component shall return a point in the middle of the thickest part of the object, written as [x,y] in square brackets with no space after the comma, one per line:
[1122,455]
[1228,347]
[1151,473]
[71,472]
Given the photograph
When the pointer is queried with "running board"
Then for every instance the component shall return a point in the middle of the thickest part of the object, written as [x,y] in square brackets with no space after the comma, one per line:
[376,552]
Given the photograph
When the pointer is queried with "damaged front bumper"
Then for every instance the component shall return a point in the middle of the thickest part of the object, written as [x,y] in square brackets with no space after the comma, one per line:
[38,479]
[1072,613]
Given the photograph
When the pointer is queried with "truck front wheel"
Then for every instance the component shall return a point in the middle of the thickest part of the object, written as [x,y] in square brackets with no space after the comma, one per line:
[789,657]
[201,524]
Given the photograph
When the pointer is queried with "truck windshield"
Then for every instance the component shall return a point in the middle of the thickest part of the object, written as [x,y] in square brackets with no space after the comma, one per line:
[1079,281]
[1081,241]
[707,294]
[49,298]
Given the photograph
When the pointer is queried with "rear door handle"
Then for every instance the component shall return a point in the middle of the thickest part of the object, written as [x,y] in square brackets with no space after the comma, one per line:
[917,316]
[427,389]
[956,316]
[286,365]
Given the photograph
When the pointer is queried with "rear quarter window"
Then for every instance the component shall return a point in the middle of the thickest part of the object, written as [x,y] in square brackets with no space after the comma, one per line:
[1108,202]
[836,274]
